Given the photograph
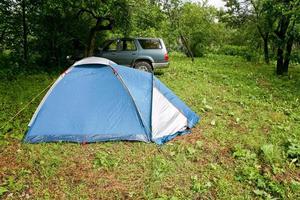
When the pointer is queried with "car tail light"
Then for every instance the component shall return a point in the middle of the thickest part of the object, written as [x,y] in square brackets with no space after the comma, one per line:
[166,57]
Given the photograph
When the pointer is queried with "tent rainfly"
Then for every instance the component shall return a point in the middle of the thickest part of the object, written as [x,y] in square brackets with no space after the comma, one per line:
[98,100]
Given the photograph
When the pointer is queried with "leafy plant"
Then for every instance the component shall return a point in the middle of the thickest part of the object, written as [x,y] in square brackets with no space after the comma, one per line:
[271,153]
[160,167]
[293,151]
[105,160]
[199,187]
[3,190]
[251,173]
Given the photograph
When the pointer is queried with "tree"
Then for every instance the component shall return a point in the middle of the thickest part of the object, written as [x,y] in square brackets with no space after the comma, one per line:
[13,14]
[25,32]
[5,19]
[103,15]
[288,14]
[264,20]
[197,24]
[241,14]
[173,10]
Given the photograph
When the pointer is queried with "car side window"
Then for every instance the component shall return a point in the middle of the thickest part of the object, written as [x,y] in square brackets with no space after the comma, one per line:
[128,45]
[113,46]
[150,43]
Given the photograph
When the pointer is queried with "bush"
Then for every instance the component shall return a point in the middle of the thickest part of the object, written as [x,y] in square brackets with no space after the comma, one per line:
[242,51]
[293,151]
[8,65]
[271,154]
[295,57]
[249,171]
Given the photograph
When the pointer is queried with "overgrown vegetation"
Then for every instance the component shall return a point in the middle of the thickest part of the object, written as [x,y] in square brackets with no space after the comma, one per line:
[41,34]
[246,146]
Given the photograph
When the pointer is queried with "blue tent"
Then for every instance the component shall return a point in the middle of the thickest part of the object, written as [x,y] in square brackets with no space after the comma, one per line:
[98,100]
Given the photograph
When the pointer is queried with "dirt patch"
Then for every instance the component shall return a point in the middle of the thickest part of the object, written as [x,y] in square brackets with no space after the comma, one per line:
[212,151]
[266,129]
[193,137]
[239,127]
[263,83]
[288,176]
[8,157]
[80,170]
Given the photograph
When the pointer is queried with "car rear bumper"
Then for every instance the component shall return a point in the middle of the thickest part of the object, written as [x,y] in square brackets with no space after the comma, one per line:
[160,65]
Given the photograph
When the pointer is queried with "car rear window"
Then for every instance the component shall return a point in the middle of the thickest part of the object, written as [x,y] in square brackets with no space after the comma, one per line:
[150,43]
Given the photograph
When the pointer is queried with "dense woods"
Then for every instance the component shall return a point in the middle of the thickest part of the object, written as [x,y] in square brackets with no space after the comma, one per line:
[41,34]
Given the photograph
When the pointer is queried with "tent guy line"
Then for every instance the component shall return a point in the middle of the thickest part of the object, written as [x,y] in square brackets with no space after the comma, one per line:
[26,106]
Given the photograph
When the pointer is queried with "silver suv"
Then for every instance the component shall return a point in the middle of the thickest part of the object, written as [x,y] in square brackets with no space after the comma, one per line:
[145,54]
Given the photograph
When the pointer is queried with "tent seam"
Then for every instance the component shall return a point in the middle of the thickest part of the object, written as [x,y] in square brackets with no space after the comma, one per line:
[152,84]
[139,114]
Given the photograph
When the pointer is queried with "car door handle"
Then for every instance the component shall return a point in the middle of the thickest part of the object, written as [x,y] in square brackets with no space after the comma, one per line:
[133,54]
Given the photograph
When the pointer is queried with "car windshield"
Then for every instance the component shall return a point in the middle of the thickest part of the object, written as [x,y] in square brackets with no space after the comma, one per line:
[150,43]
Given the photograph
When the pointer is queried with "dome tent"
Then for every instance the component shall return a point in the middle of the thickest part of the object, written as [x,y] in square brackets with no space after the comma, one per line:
[98,100]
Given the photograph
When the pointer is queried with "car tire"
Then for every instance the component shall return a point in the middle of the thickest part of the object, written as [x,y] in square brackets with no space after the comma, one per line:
[143,66]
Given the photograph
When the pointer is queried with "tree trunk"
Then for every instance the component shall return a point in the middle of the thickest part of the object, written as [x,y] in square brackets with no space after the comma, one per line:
[281,34]
[89,51]
[280,61]
[91,42]
[190,53]
[25,43]
[266,49]
[287,56]
[265,37]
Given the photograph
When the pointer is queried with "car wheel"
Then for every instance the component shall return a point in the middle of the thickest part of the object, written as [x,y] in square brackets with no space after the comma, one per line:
[144,66]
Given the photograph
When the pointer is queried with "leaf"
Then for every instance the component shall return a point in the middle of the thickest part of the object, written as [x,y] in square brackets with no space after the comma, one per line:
[213,122]
[207,107]
[231,114]
[3,190]
[199,144]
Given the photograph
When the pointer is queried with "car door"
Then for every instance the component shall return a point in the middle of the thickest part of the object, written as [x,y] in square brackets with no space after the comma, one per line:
[110,50]
[127,52]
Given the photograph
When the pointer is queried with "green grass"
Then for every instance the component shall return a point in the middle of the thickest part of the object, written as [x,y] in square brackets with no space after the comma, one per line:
[246,146]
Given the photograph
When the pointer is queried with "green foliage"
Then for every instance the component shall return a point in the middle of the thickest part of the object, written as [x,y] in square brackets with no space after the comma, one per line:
[160,167]
[293,151]
[250,172]
[3,190]
[8,65]
[271,153]
[105,160]
[224,88]
[199,187]
[242,51]
[295,57]
[198,26]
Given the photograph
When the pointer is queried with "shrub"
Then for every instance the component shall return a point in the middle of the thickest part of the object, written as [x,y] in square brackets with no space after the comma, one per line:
[242,51]
[271,153]
[293,151]
[249,171]
[295,57]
